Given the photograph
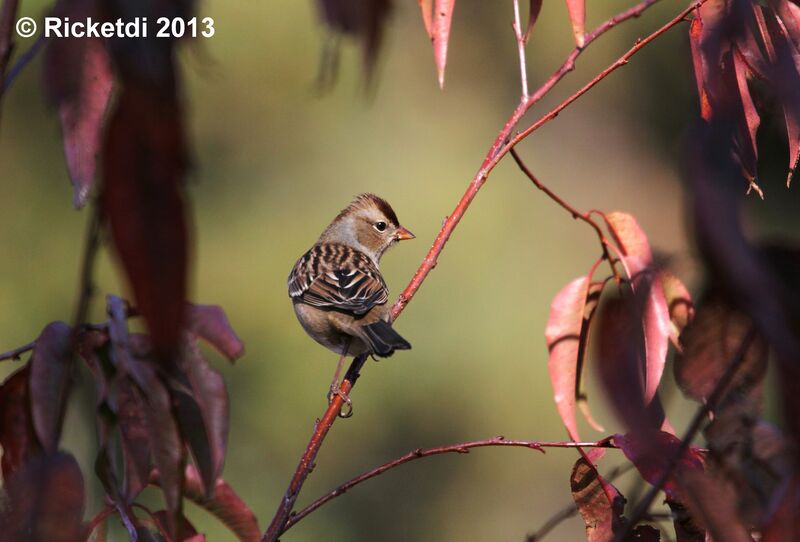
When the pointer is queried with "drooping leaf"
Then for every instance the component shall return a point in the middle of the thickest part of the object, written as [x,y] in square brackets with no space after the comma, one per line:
[687,528]
[709,344]
[79,82]
[601,515]
[442,19]
[713,506]
[577,16]
[211,324]
[637,258]
[563,336]
[17,436]
[209,391]
[134,439]
[45,501]
[533,14]
[49,382]
[651,453]
[225,505]
[363,19]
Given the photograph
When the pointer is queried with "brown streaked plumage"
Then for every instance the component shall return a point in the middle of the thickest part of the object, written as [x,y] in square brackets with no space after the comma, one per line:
[339,295]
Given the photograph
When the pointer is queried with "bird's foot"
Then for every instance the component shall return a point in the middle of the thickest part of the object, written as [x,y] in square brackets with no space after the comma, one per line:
[337,391]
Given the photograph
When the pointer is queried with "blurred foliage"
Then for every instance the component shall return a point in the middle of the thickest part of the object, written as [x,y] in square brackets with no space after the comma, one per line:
[274,161]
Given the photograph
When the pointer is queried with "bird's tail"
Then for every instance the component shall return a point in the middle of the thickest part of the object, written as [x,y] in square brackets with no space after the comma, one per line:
[383,339]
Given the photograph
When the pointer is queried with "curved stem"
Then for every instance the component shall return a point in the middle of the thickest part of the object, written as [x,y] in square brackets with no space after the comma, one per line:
[460,448]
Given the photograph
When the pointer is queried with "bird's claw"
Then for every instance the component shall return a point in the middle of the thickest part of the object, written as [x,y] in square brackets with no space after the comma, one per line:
[334,392]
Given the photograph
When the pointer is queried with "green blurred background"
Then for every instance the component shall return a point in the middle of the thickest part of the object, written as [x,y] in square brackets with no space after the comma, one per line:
[275,161]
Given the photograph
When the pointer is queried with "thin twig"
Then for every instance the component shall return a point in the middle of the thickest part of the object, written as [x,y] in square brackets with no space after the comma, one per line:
[523,70]
[17,352]
[571,510]
[86,286]
[694,427]
[585,217]
[24,59]
[460,448]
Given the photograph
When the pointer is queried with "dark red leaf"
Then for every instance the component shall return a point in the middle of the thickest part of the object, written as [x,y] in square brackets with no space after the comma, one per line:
[17,436]
[713,505]
[134,439]
[45,502]
[211,324]
[577,16]
[225,505]
[363,19]
[79,82]
[188,532]
[563,337]
[534,9]
[50,376]
[637,257]
[209,391]
[651,451]
[442,19]
[599,503]
[143,170]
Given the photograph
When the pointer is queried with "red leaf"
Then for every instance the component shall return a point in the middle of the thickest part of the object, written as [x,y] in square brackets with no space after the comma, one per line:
[751,120]
[563,337]
[82,114]
[442,17]
[49,384]
[533,15]
[144,166]
[426,7]
[651,452]
[577,16]
[134,438]
[225,505]
[601,511]
[638,261]
[211,324]
[17,436]
[713,504]
[45,502]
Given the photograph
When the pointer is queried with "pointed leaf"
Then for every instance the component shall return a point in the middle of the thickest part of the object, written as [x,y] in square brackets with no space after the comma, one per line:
[533,14]
[211,324]
[679,301]
[563,338]
[442,17]
[600,514]
[134,438]
[50,375]
[17,436]
[638,261]
[144,167]
[45,501]
[577,16]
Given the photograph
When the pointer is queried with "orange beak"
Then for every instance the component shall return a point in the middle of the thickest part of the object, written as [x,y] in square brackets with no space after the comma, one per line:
[403,234]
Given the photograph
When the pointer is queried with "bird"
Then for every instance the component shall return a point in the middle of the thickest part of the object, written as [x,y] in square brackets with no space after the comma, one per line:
[337,290]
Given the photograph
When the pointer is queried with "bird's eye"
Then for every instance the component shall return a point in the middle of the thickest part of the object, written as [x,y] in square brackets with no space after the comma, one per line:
[380,226]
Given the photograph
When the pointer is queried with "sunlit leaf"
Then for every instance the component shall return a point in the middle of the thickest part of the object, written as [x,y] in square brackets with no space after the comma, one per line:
[679,301]
[442,19]
[426,7]
[600,504]
[577,16]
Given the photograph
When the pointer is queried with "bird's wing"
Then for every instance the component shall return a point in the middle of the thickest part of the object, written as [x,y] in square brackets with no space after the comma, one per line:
[337,276]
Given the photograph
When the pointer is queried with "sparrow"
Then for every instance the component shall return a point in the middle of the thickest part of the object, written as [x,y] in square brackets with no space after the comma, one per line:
[336,287]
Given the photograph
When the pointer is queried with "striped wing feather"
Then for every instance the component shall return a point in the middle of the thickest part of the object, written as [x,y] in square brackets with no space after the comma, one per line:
[337,276]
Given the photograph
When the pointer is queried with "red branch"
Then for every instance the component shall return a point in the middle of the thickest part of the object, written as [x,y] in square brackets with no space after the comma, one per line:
[460,448]
[502,145]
